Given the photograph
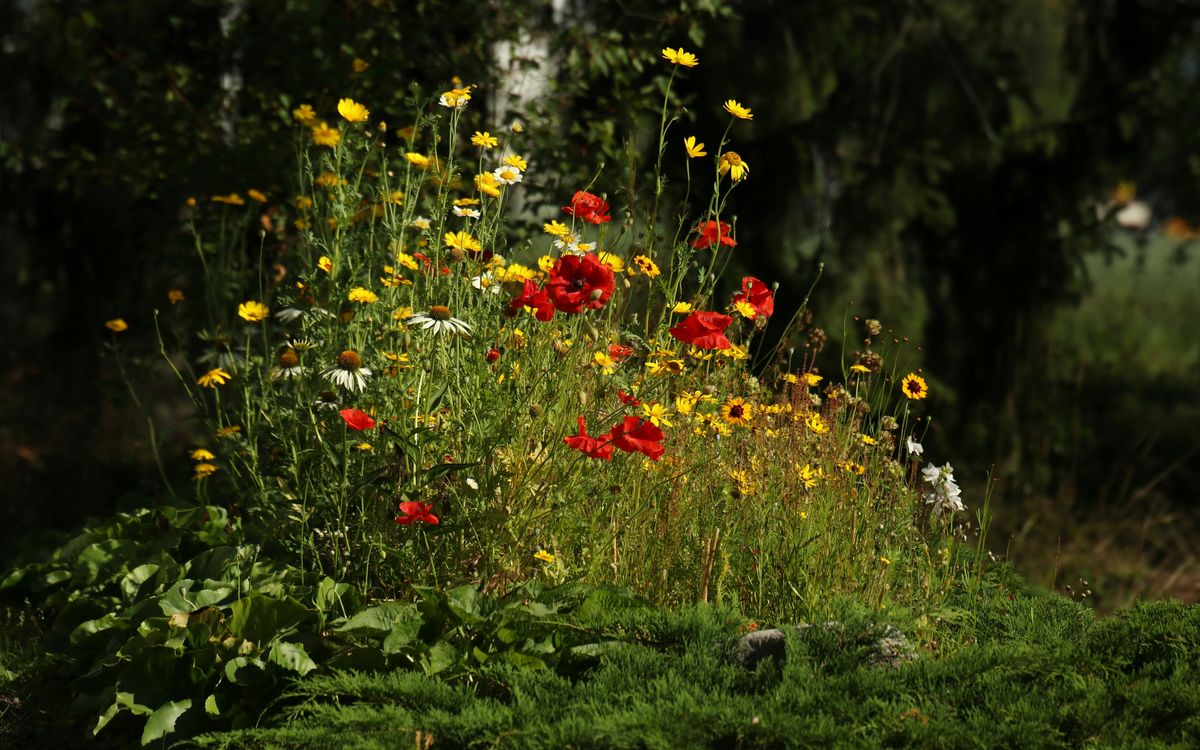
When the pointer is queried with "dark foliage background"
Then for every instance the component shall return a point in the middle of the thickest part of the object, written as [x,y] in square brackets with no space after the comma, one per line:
[949,162]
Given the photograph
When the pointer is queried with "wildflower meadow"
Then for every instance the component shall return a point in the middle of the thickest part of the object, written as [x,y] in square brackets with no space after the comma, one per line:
[458,461]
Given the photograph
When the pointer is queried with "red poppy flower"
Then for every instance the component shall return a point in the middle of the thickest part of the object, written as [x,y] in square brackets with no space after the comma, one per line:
[639,436]
[535,298]
[712,233]
[412,512]
[588,207]
[425,261]
[619,352]
[758,295]
[628,399]
[492,355]
[578,282]
[357,420]
[593,447]
[703,329]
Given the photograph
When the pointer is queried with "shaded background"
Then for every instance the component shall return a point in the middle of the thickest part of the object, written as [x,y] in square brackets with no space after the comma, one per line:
[954,165]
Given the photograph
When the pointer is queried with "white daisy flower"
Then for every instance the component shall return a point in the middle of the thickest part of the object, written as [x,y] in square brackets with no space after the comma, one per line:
[508,174]
[486,282]
[292,314]
[470,213]
[421,223]
[439,320]
[348,373]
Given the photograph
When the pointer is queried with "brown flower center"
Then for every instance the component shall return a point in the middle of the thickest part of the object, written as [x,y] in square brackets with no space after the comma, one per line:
[349,360]
[289,359]
[736,411]
[439,312]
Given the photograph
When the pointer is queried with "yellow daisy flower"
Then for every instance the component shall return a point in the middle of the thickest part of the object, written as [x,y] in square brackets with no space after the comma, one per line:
[484,140]
[735,108]
[253,311]
[694,150]
[679,57]
[116,325]
[323,135]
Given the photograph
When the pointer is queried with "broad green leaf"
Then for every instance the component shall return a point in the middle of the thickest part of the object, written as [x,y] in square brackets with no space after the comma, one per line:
[244,670]
[465,602]
[210,706]
[262,620]
[293,657]
[403,633]
[440,658]
[380,620]
[84,630]
[162,721]
[122,702]
[133,580]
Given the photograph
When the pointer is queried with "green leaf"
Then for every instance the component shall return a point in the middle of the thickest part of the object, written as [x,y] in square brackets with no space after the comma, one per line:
[466,603]
[133,580]
[210,706]
[440,658]
[122,702]
[162,721]
[244,670]
[402,634]
[380,620]
[293,657]
[85,630]
[262,620]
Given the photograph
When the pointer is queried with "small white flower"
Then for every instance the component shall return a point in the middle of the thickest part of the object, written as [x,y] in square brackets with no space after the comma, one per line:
[472,483]
[1135,215]
[439,320]
[485,282]
[507,174]
[420,223]
[914,447]
[470,213]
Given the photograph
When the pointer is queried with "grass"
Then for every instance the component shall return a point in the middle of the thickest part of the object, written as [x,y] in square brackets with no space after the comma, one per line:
[1016,669]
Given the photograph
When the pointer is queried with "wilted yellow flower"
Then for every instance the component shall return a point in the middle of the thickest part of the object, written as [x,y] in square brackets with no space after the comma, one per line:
[859,368]
[487,184]
[733,107]
[731,163]
[817,423]
[484,140]
[352,111]
[214,378]
[647,266]
[253,311]
[329,180]
[694,150]
[116,325]
[233,199]
[304,114]
[256,195]
[679,57]
[204,471]
[811,379]
[323,135]
[175,296]
[363,295]
[302,202]
[360,65]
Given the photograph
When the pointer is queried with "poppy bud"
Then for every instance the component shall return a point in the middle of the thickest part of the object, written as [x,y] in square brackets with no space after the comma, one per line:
[596,294]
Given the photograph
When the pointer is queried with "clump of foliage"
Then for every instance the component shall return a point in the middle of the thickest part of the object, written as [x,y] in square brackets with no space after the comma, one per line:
[410,427]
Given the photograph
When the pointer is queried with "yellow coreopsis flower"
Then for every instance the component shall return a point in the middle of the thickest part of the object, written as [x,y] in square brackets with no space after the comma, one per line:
[556,228]
[462,241]
[304,114]
[745,309]
[811,379]
[735,108]
[817,424]
[116,325]
[253,311]
[325,263]
[544,556]
[647,266]
[484,140]
[615,262]
[682,308]
[420,161]
[214,378]
[352,111]
[515,160]
[606,363]
[694,150]
[731,163]
[363,295]
[201,454]
[914,387]
[679,57]
[323,135]
[656,413]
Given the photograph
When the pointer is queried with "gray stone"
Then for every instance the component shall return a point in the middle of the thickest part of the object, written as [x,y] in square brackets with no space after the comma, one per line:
[891,648]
